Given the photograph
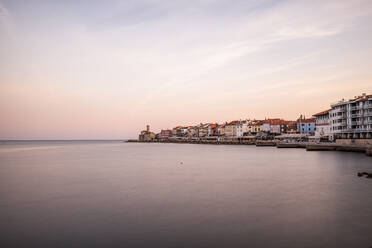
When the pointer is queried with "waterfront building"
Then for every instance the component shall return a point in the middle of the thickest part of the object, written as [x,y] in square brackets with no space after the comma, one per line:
[192,131]
[231,129]
[290,127]
[183,131]
[322,125]
[221,130]
[165,134]
[273,126]
[279,126]
[212,129]
[306,126]
[203,130]
[242,128]
[176,130]
[257,127]
[147,135]
[250,127]
[180,131]
[352,119]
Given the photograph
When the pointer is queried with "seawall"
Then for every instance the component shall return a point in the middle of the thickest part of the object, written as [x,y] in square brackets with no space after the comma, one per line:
[309,146]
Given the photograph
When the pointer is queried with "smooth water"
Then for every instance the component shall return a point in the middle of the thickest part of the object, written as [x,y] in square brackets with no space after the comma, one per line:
[114,194]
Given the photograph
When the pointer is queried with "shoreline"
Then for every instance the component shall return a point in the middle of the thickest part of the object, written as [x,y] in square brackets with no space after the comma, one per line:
[309,146]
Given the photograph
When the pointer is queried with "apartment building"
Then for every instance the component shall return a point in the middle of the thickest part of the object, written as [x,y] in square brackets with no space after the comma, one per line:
[352,119]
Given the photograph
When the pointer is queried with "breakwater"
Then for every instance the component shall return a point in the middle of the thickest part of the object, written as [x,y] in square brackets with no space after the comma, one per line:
[309,146]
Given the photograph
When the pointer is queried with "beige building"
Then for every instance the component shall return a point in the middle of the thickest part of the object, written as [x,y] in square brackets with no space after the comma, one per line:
[255,126]
[147,135]
[221,130]
[203,130]
[231,129]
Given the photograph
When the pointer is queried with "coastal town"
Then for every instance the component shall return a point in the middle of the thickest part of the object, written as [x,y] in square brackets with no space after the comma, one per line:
[345,120]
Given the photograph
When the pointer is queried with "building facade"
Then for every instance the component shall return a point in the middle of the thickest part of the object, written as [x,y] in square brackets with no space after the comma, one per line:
[147,135]
[352,119]
[322,125]
[306,126]
[275,126]
[231,129]
[257,127]
[165,134]
[242,128]
[203,130]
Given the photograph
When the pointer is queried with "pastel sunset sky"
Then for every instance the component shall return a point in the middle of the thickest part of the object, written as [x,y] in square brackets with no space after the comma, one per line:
[97,69]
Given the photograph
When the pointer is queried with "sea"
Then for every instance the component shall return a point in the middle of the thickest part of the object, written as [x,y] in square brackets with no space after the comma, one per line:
[117,194]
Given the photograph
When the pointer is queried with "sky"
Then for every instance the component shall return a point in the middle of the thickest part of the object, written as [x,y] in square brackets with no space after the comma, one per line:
[92,69]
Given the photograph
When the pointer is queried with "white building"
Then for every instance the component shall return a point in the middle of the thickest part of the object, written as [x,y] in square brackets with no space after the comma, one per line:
[322,125]
[273,126]
[241,128]
[352,119]
[266,126]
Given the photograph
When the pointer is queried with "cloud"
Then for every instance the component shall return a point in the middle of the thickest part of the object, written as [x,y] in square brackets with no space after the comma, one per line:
[149,55]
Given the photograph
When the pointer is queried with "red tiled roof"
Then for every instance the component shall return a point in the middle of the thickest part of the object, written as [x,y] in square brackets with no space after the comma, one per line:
[258,123]
[362,98]
[323,112]
[277,121]
[233,123]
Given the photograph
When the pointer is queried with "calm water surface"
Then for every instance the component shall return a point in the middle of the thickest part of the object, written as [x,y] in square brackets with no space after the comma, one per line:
[113,194]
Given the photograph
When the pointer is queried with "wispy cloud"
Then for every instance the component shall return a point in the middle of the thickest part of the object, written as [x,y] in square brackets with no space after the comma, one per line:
[145,56]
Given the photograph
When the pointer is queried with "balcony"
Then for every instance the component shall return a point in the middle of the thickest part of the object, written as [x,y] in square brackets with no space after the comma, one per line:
[346,130]
[339,124]
[357,123]
[356,115]
[354,130]
[357,107]
[338,110]
[365,129]
[340,117]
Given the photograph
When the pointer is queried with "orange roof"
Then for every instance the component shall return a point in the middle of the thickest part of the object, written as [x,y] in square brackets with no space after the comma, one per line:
[256,123]
[276,121]
[233,123]
[323,112]
[362,98]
